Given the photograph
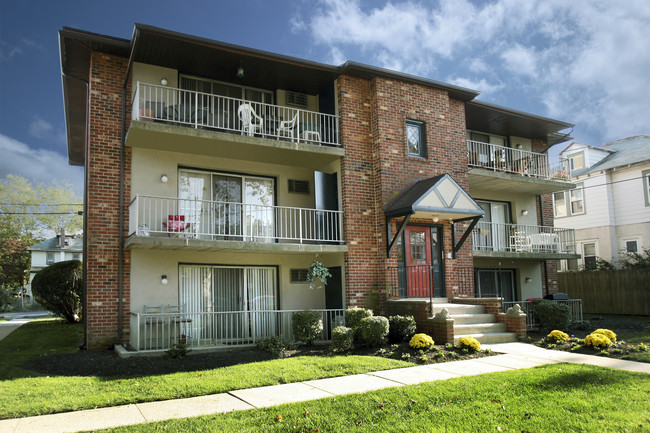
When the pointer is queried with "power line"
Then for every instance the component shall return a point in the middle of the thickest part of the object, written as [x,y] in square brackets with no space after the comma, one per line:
[42,204]
[606,183]
[42,213]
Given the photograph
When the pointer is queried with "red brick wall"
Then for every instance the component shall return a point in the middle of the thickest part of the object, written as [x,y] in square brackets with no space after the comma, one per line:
[376,167]
[107,75]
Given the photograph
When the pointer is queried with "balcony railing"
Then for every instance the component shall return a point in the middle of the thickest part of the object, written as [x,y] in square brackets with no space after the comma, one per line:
[160,331]
[203,110]
[522,238]
[515,161]
[219,220]
[532,322]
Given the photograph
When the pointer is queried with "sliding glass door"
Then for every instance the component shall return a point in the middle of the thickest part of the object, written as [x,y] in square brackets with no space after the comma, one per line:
[235,302]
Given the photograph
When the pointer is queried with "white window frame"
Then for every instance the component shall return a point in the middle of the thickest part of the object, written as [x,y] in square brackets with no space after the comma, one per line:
[566,208]
[646,186]
[582,251]
[574,156]
[50,258]
[624,245]
[579,189]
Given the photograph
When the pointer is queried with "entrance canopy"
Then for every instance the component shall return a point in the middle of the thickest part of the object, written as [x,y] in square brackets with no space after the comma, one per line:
[438,198]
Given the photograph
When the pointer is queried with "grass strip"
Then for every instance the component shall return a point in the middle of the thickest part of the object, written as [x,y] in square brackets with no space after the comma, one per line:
[552,398]
[38,395]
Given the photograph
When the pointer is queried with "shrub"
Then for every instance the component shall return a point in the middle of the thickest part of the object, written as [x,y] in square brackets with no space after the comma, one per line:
[469,343]
[307,326]
[597,340]
[551,315]
[59,289]
[558,336]
[373,330]
[274,345]
[353,316]
[607,333]
[401,328]
[342,339]
[6,299]
[421,341]
[178,350]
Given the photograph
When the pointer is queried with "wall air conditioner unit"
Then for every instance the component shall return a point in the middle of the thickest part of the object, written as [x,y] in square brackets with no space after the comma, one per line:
[296,99]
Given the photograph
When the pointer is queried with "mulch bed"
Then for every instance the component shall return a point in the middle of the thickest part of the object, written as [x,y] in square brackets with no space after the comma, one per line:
[109,364]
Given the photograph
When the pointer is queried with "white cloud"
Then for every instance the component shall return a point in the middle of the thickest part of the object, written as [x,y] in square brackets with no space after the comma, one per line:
[586,62]
[37,165]
[40,128]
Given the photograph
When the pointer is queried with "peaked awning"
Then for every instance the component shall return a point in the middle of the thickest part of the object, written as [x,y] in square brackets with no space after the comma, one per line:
[438,198]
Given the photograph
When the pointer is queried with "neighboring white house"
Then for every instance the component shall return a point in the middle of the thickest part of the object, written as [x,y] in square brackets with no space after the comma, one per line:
[610,208]
[57,249]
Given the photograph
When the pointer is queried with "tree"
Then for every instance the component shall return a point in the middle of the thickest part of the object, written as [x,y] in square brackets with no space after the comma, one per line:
[28,215]
[31,212]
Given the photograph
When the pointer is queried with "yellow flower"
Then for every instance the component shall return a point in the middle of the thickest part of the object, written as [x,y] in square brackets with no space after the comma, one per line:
[558,336]
[421,341]
[607,333]
[469,343]
[597,340]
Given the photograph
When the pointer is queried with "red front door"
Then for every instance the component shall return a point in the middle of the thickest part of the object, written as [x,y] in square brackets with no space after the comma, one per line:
[418,261]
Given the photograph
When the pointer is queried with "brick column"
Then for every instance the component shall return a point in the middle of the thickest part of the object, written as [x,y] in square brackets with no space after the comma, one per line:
[515,320]
[443,328]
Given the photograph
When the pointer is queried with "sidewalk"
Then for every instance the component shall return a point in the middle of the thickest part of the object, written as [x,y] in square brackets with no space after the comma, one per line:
[16,320]
[513,356]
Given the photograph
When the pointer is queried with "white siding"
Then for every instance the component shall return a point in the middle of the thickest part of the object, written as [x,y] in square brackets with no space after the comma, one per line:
[627,191]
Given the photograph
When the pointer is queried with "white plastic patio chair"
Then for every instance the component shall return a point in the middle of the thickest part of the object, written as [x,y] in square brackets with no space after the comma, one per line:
[288,128]
[250,121]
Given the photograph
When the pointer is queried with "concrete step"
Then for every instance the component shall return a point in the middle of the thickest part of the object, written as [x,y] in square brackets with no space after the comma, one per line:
[479,328]
[458,309]
[465,319]
[491,338]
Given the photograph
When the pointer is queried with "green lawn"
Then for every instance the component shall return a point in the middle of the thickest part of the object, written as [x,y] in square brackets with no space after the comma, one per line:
[26,393]
[552,398]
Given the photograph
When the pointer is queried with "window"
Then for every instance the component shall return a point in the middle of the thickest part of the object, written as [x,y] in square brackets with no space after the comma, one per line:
[577,161]
[567,203]
[589,254]
[75,256]
[631,246]
[577,201]
[299,186]
[559,204]
[415,138]
[646,186]
[299,275]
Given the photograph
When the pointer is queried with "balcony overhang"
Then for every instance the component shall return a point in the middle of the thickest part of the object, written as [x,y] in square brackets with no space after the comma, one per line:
[486,179]
[438,198]
[166,243]
[162,136]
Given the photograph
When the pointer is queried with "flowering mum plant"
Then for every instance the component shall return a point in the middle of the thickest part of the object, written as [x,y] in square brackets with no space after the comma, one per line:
[597,340]
[421,341]
[469,343]
[607,333]
[558,336]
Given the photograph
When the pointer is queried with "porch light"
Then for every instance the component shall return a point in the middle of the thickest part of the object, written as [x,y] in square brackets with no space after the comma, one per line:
[518,146]
[164,178]
[163,81]
[524,212]
[528,279]
[163,280]
[436,219]
[240,72]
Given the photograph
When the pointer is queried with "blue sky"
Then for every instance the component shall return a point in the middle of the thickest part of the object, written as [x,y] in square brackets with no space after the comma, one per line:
[584,62]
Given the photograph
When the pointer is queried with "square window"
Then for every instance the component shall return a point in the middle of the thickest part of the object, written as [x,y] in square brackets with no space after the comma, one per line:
[415,138]
[631,247]
[577,161]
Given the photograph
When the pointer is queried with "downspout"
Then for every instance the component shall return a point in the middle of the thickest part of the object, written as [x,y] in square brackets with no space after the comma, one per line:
[541,217]
[120,263]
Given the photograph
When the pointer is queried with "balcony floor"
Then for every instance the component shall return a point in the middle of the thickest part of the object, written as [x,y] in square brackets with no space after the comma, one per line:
[188,244]
[485,179]
[173,138]
[525,255]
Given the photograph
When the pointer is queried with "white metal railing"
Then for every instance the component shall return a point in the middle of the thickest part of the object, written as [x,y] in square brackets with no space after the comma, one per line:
[516,161]
[217,329]
[488,236]
[575,311]
[204,110]
[219,220]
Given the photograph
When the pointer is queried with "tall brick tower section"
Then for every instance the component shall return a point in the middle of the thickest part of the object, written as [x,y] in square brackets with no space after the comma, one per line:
[376,167]
[107,75]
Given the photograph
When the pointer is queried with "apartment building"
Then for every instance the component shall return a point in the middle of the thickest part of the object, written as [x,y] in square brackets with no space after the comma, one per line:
[217,174]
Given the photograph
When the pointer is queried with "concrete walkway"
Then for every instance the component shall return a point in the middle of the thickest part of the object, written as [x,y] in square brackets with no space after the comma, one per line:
[16,320]
[512,356]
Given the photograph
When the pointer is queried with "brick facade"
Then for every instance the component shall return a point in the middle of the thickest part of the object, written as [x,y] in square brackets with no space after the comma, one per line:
[107,74]
[376,167]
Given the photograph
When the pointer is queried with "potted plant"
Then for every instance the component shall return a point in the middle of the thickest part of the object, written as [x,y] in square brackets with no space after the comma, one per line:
[317,275]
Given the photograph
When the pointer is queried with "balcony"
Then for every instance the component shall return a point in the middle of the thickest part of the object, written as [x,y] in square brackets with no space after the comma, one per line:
[521,241]
[502,168]
[192,109]
[176,223]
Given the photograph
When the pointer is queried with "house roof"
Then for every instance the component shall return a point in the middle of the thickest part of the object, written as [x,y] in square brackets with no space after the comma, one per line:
[75,245]
[626,151]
